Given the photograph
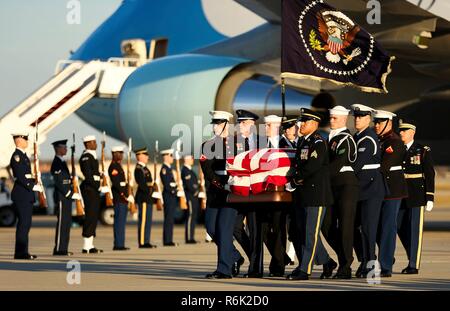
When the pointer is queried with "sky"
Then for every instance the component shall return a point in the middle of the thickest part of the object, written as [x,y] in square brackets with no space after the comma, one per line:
[34,35]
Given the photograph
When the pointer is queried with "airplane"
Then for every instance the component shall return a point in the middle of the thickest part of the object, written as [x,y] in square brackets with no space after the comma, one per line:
[155,64]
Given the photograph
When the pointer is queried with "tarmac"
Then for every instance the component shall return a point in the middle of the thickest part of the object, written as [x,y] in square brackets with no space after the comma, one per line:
[183,268]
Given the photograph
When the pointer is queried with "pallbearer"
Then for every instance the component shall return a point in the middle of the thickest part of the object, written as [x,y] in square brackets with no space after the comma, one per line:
[63,197]
[419,175]
[191,190]
[144,181]
[22,194]
[120,197]
[90,190]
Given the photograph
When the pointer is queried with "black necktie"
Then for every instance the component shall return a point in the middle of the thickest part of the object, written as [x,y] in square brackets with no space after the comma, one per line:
[294,144]
[246,144]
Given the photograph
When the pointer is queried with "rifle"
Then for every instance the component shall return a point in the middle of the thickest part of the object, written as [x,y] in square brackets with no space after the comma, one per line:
[37,172]
[202,191]
[156,194]
[75,186]
[105,182]
[131,205]
[180,188]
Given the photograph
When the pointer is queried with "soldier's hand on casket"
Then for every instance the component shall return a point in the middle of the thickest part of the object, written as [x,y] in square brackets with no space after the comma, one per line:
[227,188]
[289,187]
[430,205]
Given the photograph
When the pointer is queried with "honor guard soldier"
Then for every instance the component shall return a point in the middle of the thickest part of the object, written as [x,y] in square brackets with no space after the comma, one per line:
[311,183]
[247,140]
[169,196]
[339,223]
[144,200]
[63,198]
[371,188]
[120,197]
[90,190]
[289,139]
[22,194]
[392,156]
[419,175]
[219,217]
[191,190]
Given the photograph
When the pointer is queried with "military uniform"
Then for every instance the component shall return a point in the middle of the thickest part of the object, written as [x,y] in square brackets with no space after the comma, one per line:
[339,222]
[23,198]
[371,192]
[219,217]
[419,175]
[191,191]
[311,181]
[170,202]
[119,190]
[144,181]
[90,190]
[63,202]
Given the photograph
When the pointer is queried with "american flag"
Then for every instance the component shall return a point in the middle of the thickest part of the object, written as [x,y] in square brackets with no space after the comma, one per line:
[253,171]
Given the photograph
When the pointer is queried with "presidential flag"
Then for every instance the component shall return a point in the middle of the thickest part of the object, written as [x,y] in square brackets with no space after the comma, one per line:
[253,171]
[322,43]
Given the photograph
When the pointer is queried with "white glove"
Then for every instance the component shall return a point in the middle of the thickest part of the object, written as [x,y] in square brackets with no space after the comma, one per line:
[201,195]
[430,205]
[227,187]
[180,194]
[38,188]
[104,189]
[130,199]
[76,196]
[289,187]
[156,195]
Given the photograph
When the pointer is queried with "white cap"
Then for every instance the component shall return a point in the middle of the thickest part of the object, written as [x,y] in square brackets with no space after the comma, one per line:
[19,133]
[382,114]
[167,151]
[88,138]
[339,111]
[220,115]
[117,149]
[272,119]
[361,108]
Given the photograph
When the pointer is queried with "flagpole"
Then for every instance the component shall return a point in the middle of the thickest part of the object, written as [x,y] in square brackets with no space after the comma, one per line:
[283,97]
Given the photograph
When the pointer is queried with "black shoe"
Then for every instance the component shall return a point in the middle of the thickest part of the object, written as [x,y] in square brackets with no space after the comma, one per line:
[409,270]
[147,245]
[385,274]
[359,271]
[276,274]
[253,275]
[191,242]
[237,266]
[328,269]
[343,274]
[171,244]
[25,257]
[92,251]
[62,253]
[121,248]
[298,275]
[218,275]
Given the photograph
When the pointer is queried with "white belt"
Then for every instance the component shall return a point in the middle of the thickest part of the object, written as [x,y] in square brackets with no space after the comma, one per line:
[123,184]
[370,166]
[396,168]
[29,176]
[96,177]
[346,169]
[223,173]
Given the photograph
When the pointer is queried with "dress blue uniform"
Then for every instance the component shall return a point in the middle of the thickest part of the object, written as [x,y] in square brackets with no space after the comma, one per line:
[23,197]
[119,190]
[170,202]
[144,200]
[371,193]
[190,185]
[220,218]
[63,202]
[419,175]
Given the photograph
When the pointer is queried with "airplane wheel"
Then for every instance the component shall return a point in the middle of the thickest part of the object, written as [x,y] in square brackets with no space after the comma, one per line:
[8,216]
[107,216]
